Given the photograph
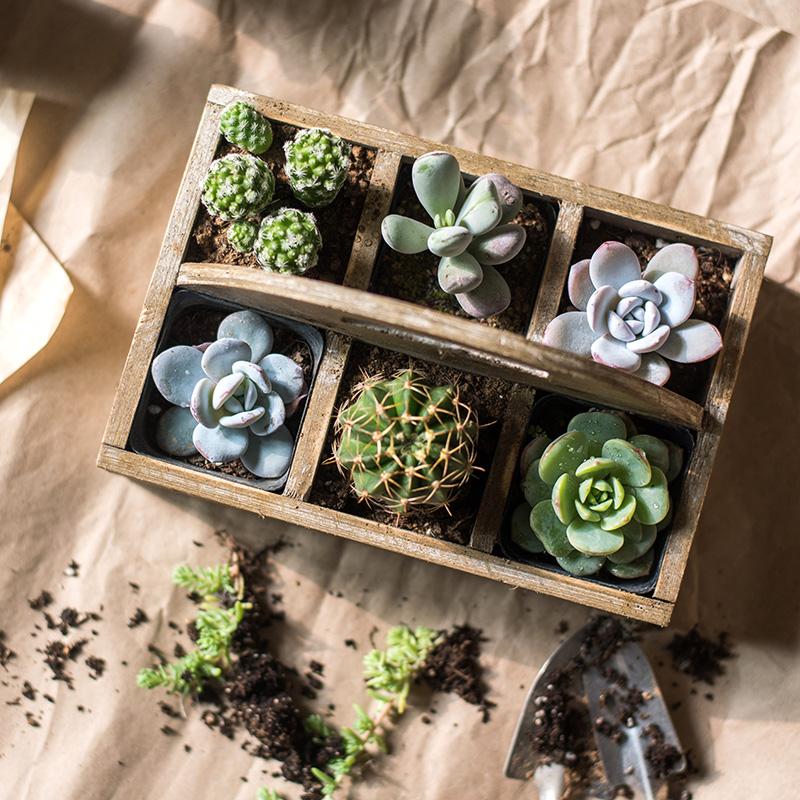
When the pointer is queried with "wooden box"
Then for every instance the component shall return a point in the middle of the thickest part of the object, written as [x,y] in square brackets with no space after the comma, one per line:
[349,312]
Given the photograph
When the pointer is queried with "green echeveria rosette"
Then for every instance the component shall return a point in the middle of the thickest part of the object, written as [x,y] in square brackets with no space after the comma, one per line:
[238,187]
[405,444]
[596,498]
[243,126]
[316,165]
[288,241]
[242,235]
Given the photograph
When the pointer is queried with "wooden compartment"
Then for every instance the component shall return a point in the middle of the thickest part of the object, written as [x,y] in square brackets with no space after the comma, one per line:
[348,312]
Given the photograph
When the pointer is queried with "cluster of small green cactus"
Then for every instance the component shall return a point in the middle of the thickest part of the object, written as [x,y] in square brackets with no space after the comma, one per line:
[404,444]
[288,241]
[239,186]
[316,165]
[243,126]
[596,496]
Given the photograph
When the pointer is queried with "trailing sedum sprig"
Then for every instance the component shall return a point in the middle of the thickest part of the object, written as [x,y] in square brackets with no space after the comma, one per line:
[243,126]
[388,675]
[316,165]
[220,614]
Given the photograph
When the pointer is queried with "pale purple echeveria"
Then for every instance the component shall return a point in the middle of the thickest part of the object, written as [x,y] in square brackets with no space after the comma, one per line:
[231,397]
[635,320]
[472,232]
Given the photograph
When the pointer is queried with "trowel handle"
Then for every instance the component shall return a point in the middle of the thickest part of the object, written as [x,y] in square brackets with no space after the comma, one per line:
[549,780]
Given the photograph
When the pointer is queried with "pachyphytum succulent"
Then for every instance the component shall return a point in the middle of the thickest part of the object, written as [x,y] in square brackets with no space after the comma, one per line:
[634,320]
[238,186]
[404,444]
[316,165]
[288,241]
[242,235]
[471,234]
[596,496]
[230,397]
[245,127]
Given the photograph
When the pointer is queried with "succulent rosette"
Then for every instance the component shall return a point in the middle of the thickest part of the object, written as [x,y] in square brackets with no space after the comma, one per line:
[634,320]
[230,397]
[596,497]
[472,232]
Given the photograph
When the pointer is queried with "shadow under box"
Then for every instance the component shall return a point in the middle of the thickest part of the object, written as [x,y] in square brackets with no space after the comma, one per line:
[193,318]
[552,414]
[337,222]
[414,277]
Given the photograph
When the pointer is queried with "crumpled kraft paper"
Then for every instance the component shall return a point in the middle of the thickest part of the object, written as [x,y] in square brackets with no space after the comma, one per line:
[693,103]
[34,289]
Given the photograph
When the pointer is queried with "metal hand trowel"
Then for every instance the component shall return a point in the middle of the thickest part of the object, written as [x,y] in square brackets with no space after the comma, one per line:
[624,761]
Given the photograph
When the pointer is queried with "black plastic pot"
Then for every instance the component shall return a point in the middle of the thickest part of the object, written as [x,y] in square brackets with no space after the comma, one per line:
[552,414]
[151,404]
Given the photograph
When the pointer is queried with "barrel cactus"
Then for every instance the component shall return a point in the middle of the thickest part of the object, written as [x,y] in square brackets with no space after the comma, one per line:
[288,241]
[404,444]
[230,397]
[634,320]
[238,186]
[316,165]
[243,126]
[596,497]
[242,235]
[472,232]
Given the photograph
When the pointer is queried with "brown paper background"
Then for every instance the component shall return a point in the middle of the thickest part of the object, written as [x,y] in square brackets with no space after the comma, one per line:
[688,103]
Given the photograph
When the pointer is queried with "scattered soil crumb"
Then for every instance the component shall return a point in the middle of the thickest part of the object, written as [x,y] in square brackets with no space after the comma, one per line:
[28,691]
[57,655]
[699,657]
[41,601]
[73,569]
[351,643]
[134,587]
[138,618]
[6,653]
[454,666]
[97,666]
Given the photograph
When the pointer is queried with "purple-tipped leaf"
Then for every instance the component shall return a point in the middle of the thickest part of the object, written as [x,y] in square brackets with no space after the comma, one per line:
[653,369]
[597,309]
[642,289]
[678,294]
[492,296]
[680,258]
[460,274]
[250,328]
[618,328]
[694,340]
[437,181]
[579,284]
[613,353]
[481,210]
[614,264]
[220,445]
[243,419]
[499,245]
[510,196]
[202,403]
[175,373]
[273,418]
[219,358]
[652,342]
[285,376]
[225,389]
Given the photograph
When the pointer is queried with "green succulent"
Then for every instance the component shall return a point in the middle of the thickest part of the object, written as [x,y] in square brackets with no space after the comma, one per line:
[288,241]
[242,235]
[595,497]
[238,187]
[316,165]
[243,126]
[405,444]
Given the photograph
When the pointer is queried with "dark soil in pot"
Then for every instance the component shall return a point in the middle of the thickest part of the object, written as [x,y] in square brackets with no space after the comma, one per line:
[194,319]
[488,397]
[413,277]
[338,222]
[713,291]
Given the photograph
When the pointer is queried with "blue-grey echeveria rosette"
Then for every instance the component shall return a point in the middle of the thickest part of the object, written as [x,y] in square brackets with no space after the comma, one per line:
[472,232]
[635,320]
[230,397]
[596,496]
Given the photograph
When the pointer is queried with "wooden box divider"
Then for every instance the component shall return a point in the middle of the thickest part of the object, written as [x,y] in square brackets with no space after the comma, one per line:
[349,312]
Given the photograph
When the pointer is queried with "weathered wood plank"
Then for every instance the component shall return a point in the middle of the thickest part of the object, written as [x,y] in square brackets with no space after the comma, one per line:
[435,336]
[212,486]
[162,283]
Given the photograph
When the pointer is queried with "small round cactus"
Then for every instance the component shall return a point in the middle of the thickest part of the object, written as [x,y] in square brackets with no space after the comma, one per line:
[238,187]
[406,445]
[596,497]
[242,235]
[288,241]
[316,165]
[243,126]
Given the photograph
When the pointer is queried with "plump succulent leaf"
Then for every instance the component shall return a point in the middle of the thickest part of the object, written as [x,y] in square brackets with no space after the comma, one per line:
[581,565]
[405,235]
[521,532]
[510,197]
[498,245]
[459,274]
[652,500]
[481,210]
[251,328]
[531,452]
[675,460]
[579,284]
[245,127]
[437,182]
[284,374]
[220,445]
[449,241]
[564,497]
[654,448]
[680,258]
[564,454]
[174,432]
[492,296]
[614,264]
[570,331]
[630,463]
[592,540]
[552,532]
[269,456]
[635,546]
[533,487]
[598,427]
[220,356]
[635,569]
[694,340]
[176,371]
